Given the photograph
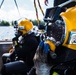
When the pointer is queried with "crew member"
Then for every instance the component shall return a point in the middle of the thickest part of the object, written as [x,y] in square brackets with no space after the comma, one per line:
[24,49]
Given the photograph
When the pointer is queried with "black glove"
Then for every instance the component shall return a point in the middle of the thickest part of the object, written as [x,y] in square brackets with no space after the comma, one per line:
[15,39]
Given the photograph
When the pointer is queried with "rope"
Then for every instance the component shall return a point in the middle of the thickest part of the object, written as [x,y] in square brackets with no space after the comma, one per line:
[37,10]
[40,7]
[15,4]
[17,7]
[1,3]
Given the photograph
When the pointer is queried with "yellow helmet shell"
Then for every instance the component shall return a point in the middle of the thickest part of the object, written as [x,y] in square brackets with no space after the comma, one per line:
[69,18]
[26,24]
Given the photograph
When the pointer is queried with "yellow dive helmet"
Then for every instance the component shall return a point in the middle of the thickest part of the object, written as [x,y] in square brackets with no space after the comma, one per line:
[25,26]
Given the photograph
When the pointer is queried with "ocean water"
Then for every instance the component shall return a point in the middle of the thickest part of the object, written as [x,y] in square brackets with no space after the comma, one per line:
[6,33]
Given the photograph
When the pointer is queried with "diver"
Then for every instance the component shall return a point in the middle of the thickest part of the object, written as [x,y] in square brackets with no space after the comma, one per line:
[24,50]
[55,55]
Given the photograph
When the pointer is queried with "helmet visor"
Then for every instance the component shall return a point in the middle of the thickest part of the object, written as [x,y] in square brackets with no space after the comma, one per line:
[21,28]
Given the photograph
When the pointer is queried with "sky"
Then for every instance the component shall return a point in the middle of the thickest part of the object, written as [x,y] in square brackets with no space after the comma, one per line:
[9,12]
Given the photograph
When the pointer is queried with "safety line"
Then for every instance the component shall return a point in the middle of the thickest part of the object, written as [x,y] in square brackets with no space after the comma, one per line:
[36,12]
[40,7]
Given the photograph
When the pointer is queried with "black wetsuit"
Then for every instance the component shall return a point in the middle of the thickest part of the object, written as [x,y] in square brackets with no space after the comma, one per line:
[25,52]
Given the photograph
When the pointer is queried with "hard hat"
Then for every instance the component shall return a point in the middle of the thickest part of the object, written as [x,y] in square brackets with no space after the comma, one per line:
[25,26]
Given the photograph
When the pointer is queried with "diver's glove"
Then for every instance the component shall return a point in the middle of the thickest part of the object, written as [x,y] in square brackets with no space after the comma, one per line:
[47,50]
[15,39]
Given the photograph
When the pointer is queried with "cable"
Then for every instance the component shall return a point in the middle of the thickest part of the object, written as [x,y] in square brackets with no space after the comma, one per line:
[40,7]
[36,12]
[1,3]
[17,7]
